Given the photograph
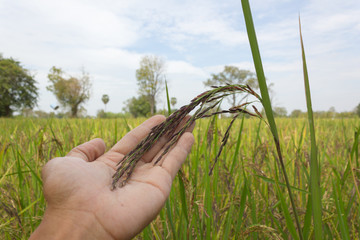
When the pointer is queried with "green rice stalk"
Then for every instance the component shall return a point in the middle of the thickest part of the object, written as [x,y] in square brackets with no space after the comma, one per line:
[269,232]
[181,182]
[31,205]
[37,176]
[168,203]
[269,180]
[253,206]
[244,195]
[6,173]
[276,222]
[207,215]
[147,233]
[237,147]
[127,126]
[183,198]
[355,149]
[167,98]
[314,163]
[307,219]
[169,216]
[155,231]
[115,131]
[344,230]
[265,100]
[355,157]
[230,216]
[285,211]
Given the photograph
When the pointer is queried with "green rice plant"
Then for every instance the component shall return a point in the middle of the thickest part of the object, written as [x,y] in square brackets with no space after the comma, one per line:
[265,100]
[344,229]
[249,175]
[314,163]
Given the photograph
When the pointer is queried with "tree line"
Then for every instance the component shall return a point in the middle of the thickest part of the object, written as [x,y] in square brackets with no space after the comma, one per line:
[18,91]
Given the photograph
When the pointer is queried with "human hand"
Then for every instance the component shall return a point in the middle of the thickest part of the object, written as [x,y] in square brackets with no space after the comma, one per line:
[77,188]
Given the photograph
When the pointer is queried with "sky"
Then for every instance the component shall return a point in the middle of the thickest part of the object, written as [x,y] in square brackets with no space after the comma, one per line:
[196,38]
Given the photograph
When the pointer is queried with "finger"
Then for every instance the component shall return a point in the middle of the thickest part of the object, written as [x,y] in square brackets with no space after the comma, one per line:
[156,149]
[178,154]
[131,139]
[89,151]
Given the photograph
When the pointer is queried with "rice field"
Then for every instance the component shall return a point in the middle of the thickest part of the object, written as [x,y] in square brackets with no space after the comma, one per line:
[288,179]
[244,198]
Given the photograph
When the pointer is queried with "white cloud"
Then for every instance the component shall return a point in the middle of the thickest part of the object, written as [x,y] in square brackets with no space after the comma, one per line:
[219,68]
[339,21]
[78,23]
[181,67]
[186,21]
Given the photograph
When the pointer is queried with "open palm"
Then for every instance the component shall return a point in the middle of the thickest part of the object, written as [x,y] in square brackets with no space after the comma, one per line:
[78,186]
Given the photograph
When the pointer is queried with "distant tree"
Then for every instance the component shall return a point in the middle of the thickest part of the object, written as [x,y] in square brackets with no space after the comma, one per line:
[70,91]
[280,112]
[331,113]
[150,78]
[26,112]
[105,99]
[17,87]
[173,101]
[296,113]
[138,107]
[42,114]
[233,75]
[102,114]
[357,110]
[349,114]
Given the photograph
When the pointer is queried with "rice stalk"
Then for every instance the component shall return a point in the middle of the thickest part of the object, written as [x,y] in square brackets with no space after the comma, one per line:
[266,102]
[314,162]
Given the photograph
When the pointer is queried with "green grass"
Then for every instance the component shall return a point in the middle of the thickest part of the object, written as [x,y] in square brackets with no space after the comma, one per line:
[245,196]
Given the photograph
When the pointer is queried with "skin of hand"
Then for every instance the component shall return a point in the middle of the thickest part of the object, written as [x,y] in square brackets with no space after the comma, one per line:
[77,188]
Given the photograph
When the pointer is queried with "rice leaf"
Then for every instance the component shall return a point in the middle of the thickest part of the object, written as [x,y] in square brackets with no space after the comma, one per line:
[265,100]
[314,163]
[289,222]
[167,98]
[344,230]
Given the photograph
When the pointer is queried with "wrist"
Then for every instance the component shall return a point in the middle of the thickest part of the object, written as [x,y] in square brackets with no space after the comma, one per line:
[69,224]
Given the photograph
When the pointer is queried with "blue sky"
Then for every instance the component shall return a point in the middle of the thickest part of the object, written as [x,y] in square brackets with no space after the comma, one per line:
[196,38]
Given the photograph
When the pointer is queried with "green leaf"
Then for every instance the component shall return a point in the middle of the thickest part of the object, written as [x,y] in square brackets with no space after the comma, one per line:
[167,98]
[314,163]
[265,100]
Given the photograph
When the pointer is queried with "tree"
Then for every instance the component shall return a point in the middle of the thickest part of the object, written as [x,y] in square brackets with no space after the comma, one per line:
[280,112]
[70,91]
[17,87]
[173,101]
[233,75]
[331,113]
[105,99]
[138,107]
[102,114]
[150,78]
[357,110]
[296,113]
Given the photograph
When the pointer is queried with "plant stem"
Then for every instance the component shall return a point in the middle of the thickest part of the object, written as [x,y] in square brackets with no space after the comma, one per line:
[266,99]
